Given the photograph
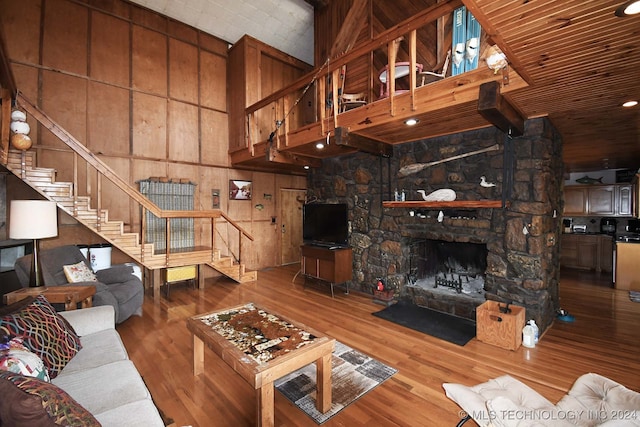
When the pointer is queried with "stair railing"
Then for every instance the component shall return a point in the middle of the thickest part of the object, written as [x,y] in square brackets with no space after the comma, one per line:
[103,170]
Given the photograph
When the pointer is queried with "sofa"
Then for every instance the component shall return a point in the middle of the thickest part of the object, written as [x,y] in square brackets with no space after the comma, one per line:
[92,380]
[593,400]
[116,286]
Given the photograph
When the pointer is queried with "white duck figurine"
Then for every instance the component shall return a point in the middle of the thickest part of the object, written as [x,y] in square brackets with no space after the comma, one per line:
[484,183]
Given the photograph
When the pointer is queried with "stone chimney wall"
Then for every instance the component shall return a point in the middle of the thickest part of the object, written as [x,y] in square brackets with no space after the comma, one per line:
[522,240]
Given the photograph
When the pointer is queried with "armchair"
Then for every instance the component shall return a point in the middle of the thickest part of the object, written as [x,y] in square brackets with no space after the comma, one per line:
[116,286]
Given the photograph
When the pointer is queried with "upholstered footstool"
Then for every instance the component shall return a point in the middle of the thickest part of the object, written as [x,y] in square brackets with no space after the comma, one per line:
[504,401]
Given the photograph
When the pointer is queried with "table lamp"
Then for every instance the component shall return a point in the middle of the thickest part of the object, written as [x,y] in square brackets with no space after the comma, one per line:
[33,219]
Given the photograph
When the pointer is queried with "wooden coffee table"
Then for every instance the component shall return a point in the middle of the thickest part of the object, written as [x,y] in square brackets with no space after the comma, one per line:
[70,296]
[261,347]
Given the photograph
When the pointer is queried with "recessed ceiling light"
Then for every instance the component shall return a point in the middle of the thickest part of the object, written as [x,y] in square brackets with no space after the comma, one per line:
[629,8]
[306,167]
[630,104]
[320,145]
[411,122]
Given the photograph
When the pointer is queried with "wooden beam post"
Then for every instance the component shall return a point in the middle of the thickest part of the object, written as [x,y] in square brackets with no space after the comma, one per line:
[498,111]
[361,143]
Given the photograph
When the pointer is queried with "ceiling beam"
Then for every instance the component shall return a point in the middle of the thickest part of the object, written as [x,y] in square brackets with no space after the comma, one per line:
[498,111]
[345,139]
[274,155]
[350,29]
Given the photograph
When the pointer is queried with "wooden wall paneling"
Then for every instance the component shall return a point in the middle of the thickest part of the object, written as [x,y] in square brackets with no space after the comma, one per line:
[182,31]
[209,179]
[263,184]
[149,61]
[184,140]
[27,81]
[119,8]
[149,126]
[64,99]
[213,81]
[65,36]
[237,95]
[266,256]
[17,19]
[214,127]
[148,18]
[110,48]
[183,71]
[213,44]
[113,199]
[108,119]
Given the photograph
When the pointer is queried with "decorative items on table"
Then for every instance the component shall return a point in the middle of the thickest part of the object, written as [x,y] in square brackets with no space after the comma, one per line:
[20,130]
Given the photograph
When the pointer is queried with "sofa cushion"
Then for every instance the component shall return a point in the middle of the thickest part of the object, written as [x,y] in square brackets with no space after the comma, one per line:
[141,413]
[98,349]
[29,402]
[78,272]
[42,330]
[16,358]
[104,387]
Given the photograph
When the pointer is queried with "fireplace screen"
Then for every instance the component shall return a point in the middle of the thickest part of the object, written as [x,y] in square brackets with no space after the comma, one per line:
[441,264]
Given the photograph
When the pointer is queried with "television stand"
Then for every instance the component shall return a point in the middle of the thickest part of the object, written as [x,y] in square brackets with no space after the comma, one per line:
[333,265]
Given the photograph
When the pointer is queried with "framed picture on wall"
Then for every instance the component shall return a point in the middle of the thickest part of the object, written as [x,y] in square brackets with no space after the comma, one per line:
[239,190]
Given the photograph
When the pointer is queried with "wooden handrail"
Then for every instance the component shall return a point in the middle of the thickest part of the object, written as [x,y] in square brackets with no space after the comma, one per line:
[104,170]
[421,19]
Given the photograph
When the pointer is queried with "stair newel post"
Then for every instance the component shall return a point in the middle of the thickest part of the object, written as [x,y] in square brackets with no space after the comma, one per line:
[213,237]
[239,246]
[168,239]
[143,231]
[75,184]
[99,200]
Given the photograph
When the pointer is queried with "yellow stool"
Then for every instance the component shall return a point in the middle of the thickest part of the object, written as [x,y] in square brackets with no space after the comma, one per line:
[180,274]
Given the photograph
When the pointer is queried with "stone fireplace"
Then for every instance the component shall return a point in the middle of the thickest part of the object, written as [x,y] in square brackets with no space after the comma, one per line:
[516,246]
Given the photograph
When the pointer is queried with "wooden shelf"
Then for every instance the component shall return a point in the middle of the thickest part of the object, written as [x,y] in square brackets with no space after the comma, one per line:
[456,204]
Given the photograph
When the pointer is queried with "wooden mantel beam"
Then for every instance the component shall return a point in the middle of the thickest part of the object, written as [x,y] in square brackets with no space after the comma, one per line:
[361,143]
[498,111]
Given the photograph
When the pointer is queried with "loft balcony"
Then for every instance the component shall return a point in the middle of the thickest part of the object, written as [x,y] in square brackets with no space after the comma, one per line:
[304,122]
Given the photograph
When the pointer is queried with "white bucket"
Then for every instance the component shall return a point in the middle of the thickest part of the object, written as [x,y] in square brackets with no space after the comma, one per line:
[100,256]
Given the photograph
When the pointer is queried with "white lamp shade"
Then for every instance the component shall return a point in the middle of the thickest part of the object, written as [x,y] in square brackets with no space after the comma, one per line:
[33,219]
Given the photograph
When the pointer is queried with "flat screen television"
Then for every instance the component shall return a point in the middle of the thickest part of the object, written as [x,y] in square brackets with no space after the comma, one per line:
[325,224]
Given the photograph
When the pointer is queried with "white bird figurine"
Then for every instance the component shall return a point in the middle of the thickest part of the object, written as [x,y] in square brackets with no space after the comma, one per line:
[484,183]
[442,195]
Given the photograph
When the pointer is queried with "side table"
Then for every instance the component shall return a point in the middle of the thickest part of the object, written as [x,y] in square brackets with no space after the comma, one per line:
[70,296]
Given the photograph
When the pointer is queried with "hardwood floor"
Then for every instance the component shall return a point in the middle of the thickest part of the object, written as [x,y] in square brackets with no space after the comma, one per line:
[605,338]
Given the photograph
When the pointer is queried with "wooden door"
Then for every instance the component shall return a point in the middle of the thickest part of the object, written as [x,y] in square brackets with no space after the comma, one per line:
[291,202]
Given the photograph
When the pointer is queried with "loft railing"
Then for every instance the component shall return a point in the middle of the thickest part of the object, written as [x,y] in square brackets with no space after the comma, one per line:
[104,171]
[326,79]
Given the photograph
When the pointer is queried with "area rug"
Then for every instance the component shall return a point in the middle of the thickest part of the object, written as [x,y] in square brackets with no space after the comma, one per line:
[634,296]
[352,375]
[450,328]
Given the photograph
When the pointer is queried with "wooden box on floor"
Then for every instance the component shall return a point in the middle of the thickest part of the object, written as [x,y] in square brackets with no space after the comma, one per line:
[498,328]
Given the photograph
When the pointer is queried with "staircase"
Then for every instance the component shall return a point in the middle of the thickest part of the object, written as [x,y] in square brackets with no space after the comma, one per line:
[22,164]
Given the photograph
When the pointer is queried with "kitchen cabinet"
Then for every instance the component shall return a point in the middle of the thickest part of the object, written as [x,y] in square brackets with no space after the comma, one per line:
[598,200]
[587,252]
[627,266]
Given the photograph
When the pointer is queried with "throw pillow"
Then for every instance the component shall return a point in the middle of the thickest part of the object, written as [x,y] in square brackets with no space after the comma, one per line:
[43,331]
[16,358]
[79,273]
[30,402]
